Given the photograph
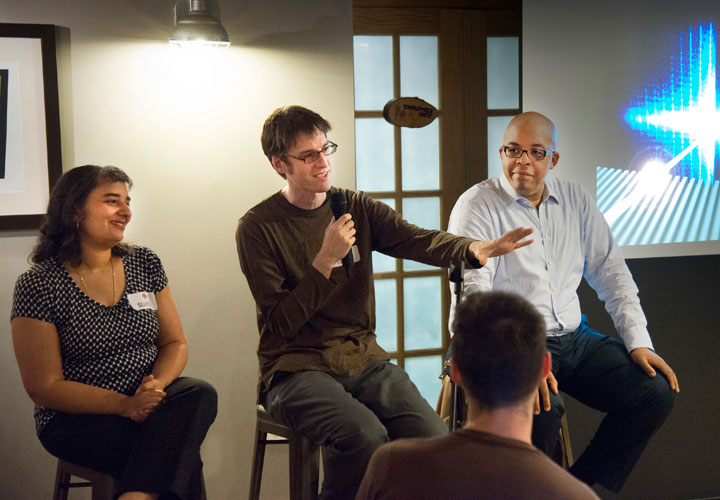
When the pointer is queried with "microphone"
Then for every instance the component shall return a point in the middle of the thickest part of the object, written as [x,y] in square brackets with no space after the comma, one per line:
[338,205]
[456,276]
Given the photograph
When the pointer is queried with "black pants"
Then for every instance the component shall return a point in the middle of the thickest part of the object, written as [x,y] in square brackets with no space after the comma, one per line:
[160,455]
[597,371]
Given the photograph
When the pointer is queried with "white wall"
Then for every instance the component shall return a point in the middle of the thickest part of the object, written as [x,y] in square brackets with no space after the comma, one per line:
[186,129]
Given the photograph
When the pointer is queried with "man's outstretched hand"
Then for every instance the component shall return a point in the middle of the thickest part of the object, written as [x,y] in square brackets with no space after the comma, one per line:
[508,242]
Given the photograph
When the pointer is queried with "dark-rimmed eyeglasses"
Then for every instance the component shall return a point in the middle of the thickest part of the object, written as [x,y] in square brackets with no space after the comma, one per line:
[312,156]
[536,154]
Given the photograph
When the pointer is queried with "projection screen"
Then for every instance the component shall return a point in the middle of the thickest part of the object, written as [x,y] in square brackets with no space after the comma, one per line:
[632,87]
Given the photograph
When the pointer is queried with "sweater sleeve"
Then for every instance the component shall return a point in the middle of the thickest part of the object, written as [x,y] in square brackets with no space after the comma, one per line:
[396,237]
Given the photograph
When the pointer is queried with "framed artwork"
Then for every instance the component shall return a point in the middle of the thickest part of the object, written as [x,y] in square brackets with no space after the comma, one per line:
[3,119]
[30,152]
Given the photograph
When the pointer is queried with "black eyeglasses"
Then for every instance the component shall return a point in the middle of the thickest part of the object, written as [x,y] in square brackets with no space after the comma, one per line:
[312,156]
[536,154]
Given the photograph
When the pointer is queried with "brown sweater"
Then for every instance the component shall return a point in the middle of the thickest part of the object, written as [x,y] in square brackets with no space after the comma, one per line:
[467,465]
[307,322]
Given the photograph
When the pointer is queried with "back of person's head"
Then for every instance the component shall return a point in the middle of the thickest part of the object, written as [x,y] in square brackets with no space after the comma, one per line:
[60,232]
[282,127]
[499,347]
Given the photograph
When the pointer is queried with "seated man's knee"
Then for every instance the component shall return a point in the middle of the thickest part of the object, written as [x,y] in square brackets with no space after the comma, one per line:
[659,396]
[547,423]
[557,406]
[354,437]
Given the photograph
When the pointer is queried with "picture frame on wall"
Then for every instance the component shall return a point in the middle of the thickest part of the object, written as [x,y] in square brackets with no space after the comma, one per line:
[30,150]
[3,119]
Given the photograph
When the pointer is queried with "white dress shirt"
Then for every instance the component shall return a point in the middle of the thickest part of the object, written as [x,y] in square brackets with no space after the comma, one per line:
[572,240]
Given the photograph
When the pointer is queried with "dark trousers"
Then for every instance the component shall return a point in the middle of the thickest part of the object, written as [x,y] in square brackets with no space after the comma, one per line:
[351,417]
[159,455]
[597,371]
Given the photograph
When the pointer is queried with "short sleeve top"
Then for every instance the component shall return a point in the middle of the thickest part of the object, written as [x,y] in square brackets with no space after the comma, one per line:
[112,347]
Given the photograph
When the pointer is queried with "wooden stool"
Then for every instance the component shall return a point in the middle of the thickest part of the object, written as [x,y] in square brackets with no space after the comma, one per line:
[102,484]
[304,458]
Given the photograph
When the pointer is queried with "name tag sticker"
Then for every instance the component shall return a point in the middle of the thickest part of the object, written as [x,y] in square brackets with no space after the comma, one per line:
[356,256]
[142,300]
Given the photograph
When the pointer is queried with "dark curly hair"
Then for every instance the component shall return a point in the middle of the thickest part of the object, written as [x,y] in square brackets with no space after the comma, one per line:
[59,233]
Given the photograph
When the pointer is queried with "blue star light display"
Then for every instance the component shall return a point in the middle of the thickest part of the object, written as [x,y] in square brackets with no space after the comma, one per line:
[674,196]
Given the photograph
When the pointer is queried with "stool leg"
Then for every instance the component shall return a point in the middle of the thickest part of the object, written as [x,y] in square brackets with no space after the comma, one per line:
[61,480]
[304,469]
[257,465]
[567,447]
[103,489]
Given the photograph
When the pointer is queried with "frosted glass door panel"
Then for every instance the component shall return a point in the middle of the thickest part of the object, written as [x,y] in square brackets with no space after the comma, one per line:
[503,75]
[419,68]
[423,212]
[373,71]
[422,312]
[384,263]
[374,155]
[424,372]
[386,314]
[496,130]
[421,157]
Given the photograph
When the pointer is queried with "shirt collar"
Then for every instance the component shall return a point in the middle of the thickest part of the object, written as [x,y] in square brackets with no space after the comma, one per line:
[511,196]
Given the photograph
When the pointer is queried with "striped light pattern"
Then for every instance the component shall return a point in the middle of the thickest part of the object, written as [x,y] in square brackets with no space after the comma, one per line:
[673,198]
[677,209]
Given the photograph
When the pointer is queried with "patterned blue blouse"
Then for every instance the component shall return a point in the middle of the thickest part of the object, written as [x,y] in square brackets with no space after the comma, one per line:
[112,347]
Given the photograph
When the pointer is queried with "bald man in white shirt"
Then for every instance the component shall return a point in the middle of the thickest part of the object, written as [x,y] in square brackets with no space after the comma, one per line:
[572,241]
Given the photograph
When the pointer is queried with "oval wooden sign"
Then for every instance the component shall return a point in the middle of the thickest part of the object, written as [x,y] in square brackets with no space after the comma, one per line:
[410,112]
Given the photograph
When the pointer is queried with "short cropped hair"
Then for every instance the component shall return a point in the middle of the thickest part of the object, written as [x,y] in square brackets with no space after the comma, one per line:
[282,127]
[499,347]
[59,232]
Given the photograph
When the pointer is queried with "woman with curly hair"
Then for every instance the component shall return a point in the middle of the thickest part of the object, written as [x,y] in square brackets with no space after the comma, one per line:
[100,346]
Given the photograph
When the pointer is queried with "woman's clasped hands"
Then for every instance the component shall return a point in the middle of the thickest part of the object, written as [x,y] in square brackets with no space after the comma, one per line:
[146,398]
